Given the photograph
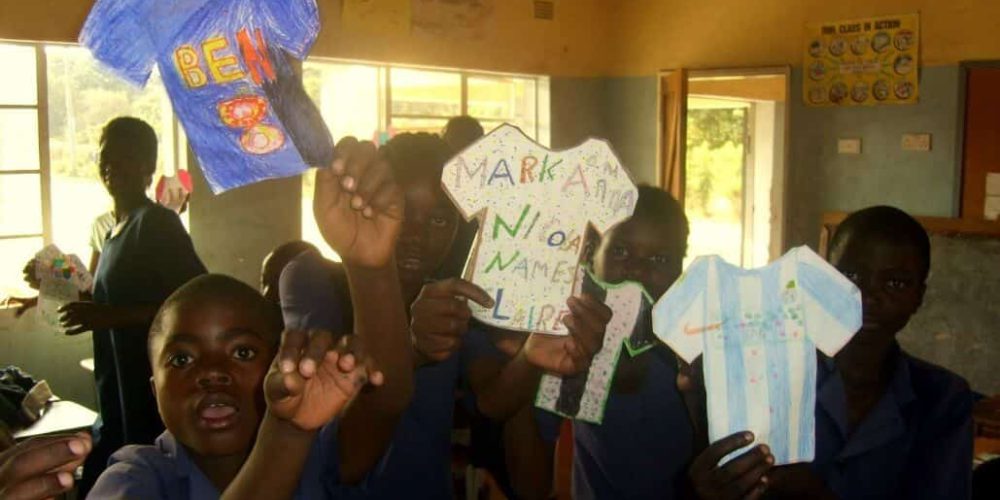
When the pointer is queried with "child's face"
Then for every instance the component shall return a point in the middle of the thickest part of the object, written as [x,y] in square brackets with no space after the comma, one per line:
[120,179]
[429,227]
[639,250]
[208,372]
[890,278]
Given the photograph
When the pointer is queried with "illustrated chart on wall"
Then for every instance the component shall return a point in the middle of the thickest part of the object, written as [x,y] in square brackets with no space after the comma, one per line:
[533,207]
[227,66]
[758,331]
[585,395]
[862,62]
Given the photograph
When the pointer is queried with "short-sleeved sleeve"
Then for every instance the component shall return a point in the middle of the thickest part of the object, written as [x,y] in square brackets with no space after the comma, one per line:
[125,480]
[683,314]
[99,230]
[116,35]
[168,249]
[292,24]
[463,178]
[309,297]
[831,301]
[611,193]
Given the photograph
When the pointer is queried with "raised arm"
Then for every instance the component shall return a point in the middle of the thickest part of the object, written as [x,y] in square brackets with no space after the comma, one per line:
[359,210]
[312,379]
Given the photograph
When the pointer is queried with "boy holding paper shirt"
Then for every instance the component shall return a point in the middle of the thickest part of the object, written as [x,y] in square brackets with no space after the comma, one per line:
[887,425]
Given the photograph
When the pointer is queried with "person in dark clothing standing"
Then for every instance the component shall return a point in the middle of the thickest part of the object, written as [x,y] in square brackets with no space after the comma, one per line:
[147,255]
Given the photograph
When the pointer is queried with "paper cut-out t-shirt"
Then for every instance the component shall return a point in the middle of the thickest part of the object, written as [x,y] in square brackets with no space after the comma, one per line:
[224,65]
[583,396]
[758,330]
[534,206]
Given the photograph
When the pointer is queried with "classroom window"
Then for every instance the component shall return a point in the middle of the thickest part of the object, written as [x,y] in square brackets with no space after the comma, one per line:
[54,102]
[371,102]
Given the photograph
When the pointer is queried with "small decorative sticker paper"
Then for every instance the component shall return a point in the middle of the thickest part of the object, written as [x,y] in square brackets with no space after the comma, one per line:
[758,331]
[228,68]
[584,396]
[533,207]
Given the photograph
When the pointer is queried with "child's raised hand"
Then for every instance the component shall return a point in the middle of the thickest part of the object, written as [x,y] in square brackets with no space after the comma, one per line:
[571,354]
[42,467]
[440,316]
[357,205]
[743,477]
[314,377]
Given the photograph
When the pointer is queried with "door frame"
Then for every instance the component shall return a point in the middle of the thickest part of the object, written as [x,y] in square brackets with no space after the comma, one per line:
[779,224]
[963,97]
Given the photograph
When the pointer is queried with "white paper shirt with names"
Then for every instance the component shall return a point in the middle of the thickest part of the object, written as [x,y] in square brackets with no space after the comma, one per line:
[534,206]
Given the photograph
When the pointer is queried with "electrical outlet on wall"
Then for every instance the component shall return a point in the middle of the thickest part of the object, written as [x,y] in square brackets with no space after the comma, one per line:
[849,146]
[916,142]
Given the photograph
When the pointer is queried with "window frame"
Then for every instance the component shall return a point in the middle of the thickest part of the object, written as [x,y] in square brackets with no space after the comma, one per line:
[42,115]
[44,171]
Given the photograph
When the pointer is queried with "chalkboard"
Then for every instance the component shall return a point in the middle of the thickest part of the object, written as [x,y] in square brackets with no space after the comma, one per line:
[958,327]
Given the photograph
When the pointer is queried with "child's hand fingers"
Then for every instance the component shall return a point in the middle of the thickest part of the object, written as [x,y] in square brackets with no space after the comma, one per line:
[278,387]
[320,342]
[369,182]
[708,459]
[356,164]
[290,352]
[735,470]
[387,200]
[376,378]
[35,469]
[346,148]
[599,309]
[589,338]
[459,288]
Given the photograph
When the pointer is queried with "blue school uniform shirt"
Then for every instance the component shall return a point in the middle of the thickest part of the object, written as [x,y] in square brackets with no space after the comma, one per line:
[916,443]
[644,444]
[165,471]
[642,448]
[758,331]
[223,64]
[143,261]
[418,462]
[487,448]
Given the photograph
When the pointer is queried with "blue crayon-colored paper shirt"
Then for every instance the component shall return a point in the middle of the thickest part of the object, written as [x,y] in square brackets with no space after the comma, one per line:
[225,65]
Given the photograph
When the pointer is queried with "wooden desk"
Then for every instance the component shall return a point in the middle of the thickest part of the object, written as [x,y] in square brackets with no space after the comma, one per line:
[59,417]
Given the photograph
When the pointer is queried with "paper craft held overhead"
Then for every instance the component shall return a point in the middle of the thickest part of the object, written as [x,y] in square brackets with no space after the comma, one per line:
[226,65]
[585,395]
[758,331]
[533,206]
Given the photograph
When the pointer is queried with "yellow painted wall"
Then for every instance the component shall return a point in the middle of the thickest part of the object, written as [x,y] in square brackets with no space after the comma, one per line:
[654,35]
[572,45]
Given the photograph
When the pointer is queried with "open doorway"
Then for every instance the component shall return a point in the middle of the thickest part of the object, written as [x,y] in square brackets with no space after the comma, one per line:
[733,162]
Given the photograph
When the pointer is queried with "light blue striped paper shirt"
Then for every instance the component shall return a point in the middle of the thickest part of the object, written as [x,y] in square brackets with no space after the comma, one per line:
[759,330]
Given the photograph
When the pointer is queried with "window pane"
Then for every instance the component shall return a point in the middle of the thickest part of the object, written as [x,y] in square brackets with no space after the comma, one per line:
[19,84]
[504,99]
[347,96]
[83,97]
[713,197]
[14,254]
[20,204]
[19,139]
[426,93]
[429,125]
